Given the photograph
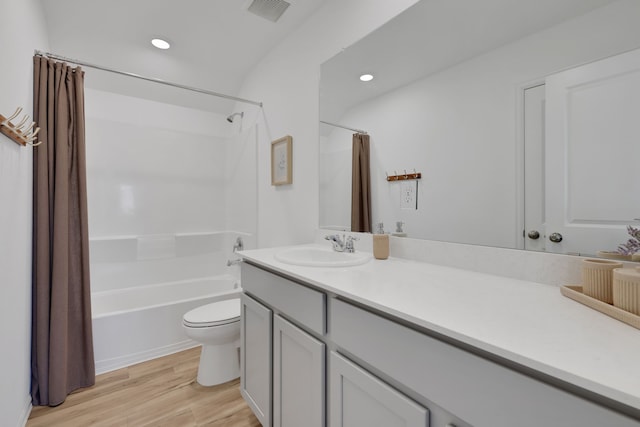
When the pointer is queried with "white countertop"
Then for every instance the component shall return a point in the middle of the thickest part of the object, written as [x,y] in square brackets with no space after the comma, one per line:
[529,323]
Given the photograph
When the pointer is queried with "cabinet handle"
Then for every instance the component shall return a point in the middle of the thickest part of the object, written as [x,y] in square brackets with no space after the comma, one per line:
[450,425]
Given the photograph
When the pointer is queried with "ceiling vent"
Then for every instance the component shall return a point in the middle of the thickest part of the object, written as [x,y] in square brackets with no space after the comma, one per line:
[268,9]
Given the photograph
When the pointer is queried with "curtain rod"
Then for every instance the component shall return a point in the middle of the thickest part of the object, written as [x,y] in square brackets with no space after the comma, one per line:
[344,127]
[150,79]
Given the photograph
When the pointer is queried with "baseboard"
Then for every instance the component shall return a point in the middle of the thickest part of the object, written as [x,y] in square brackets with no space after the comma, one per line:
[26,412]
[108,365]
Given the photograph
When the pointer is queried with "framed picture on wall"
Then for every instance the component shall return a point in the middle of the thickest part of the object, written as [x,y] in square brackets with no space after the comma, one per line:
[281,161]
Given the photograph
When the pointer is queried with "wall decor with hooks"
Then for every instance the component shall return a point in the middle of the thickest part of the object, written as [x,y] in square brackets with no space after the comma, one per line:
[404,177]
[21,133]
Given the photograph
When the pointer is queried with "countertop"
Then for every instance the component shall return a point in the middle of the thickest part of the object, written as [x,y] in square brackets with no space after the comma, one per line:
[528,323]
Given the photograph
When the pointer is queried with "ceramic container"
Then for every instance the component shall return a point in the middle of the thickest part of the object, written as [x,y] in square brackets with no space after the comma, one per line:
[626,289]
[613,255]
[381,246]
[597,278]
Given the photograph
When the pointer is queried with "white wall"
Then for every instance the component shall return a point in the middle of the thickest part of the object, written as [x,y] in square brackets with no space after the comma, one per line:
[286,81]
[23,29]
[459,129]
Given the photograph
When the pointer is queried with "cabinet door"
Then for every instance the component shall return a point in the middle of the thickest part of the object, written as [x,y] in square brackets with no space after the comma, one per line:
[298,377]
[255,360]
[358,399]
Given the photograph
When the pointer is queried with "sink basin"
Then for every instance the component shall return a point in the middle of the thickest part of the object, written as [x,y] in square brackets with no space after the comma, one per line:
[321,257]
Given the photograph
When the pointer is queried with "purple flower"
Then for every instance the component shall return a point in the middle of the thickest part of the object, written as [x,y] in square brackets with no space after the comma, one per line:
[633,244]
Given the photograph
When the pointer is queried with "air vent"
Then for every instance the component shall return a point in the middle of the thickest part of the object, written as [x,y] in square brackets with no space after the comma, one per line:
[268,9]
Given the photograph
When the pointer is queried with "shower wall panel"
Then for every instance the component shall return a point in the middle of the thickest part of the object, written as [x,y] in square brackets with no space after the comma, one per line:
[335,180]
[153,168]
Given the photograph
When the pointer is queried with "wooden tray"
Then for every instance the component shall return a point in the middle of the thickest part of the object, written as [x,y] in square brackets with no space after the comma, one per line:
[575,293]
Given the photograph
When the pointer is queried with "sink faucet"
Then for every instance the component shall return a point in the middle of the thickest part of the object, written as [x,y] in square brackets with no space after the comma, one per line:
[342,244]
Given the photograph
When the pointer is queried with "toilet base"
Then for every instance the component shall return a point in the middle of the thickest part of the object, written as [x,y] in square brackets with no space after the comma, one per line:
[218,364]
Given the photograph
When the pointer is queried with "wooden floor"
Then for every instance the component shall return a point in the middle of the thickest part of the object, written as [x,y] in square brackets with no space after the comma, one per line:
[161,392]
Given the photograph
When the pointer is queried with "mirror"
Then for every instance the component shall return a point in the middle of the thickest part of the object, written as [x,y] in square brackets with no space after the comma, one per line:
[458,95]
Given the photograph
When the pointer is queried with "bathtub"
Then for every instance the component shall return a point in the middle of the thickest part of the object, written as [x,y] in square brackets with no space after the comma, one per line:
[136,324]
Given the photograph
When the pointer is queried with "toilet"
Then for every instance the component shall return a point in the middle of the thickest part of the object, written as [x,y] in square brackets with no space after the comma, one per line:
[217,327]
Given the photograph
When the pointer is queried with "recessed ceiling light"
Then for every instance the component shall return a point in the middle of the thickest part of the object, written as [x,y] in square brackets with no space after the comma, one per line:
[366,77]
[160,44]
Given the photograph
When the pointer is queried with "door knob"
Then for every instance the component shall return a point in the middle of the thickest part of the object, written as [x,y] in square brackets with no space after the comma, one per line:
[533,234]
[555,237]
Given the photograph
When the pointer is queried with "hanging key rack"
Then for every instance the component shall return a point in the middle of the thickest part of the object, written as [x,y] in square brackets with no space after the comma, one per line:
[22,133]
[404,177]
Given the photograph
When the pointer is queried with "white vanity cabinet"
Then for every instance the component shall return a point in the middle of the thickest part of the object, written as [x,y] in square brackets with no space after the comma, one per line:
[302,342]
[475,389]
[294,394]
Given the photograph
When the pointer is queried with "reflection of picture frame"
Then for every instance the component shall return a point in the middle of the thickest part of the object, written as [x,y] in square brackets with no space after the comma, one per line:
[281,161]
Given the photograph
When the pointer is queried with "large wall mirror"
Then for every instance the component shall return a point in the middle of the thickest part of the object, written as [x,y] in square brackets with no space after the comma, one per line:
[521,117]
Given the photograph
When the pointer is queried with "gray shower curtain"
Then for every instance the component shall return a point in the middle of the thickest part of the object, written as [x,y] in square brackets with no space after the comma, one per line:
[61,341]
[360,184]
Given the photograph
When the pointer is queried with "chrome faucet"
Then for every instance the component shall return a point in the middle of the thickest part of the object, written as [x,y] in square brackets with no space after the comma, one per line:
[342,244]
[336,242]
[239,245]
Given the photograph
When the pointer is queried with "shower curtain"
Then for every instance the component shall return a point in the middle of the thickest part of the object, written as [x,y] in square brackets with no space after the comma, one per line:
[61,341]
[360,184]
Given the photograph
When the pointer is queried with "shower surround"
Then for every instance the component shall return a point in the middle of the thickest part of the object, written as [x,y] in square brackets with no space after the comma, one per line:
[162,219]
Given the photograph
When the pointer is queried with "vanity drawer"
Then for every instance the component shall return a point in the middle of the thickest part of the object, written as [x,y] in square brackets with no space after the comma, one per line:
[475,389]
[297,302]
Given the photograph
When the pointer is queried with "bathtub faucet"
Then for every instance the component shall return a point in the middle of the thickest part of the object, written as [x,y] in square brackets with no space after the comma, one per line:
[231,262]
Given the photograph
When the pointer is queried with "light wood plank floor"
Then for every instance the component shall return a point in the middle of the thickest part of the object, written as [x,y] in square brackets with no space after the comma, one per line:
[160,392]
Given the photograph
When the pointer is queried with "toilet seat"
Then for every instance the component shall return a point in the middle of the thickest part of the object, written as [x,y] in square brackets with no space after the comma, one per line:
[214,314]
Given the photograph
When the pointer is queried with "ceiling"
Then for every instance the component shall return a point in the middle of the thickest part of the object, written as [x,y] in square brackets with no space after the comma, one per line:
[429,37]
[214,43]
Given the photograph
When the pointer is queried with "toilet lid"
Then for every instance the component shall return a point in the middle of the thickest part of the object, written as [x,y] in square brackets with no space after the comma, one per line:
[216,313]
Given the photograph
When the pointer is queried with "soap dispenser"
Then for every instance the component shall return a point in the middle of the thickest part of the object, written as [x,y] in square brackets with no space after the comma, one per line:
[380,243]
[399,232]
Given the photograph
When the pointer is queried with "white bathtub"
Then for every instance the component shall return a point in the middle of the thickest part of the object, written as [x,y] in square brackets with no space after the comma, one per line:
[136,324]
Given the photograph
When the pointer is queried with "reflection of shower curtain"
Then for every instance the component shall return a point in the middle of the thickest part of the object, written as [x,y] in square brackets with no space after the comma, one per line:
[360,184]
[61,342]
